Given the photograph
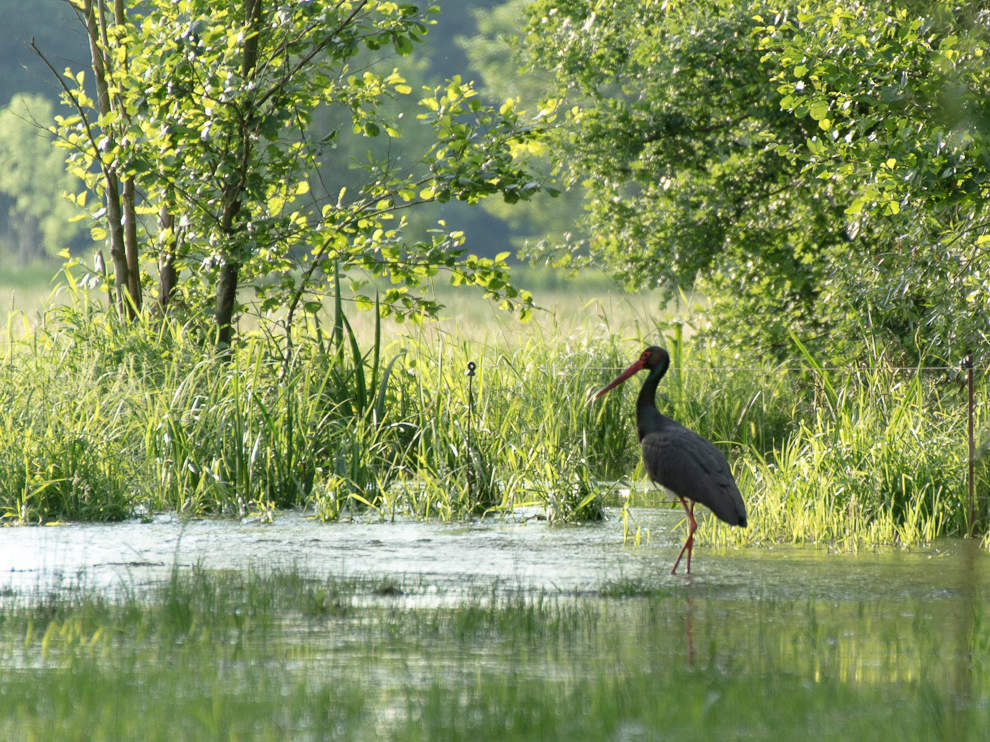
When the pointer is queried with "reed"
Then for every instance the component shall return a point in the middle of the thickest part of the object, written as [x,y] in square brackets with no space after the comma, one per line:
[871,468]
[101,420]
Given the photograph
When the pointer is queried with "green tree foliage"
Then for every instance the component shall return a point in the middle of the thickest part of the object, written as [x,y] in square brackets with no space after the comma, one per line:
[901,98]
[210,111]
[33,177]
[821,168]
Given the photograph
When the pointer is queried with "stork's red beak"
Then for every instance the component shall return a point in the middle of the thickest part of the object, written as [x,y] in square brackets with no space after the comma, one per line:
[637,366]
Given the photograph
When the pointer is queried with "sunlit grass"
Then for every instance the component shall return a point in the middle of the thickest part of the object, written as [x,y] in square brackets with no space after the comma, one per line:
[100,420]
[565,308]
[24,292]
[33,278]
[880,460]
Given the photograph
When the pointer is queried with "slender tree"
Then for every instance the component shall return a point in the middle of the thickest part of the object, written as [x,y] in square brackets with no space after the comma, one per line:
[214,127]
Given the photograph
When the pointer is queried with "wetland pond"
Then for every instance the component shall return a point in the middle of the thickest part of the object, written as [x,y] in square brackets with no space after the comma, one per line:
[495,629]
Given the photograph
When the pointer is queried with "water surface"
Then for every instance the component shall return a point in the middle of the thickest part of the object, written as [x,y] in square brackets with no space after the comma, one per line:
[519,553]
[495,629]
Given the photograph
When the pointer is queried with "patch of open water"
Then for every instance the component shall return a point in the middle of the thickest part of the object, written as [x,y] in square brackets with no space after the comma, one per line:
[516,553]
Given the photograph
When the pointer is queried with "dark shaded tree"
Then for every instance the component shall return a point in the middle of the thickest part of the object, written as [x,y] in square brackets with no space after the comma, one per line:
[751,151]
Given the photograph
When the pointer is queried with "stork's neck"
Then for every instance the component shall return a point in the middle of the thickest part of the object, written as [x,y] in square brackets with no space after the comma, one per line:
[648,418]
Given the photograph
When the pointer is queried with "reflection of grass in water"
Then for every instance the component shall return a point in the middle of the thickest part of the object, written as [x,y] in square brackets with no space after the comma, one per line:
[223,655]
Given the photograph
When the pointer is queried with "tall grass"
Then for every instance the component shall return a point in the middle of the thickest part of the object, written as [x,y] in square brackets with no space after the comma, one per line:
[884,461]
[102,420]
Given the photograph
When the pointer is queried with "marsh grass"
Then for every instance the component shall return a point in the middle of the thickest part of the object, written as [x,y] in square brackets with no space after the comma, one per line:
[265,655]
[100,420]
[881,458]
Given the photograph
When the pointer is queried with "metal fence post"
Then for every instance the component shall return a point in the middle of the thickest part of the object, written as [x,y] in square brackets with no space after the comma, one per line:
[970,480]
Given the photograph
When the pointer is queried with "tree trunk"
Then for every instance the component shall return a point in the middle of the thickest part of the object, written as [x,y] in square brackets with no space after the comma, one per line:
[129,211]
[168,277]
[131,244]
[226,300]
[114,217]
[227,284]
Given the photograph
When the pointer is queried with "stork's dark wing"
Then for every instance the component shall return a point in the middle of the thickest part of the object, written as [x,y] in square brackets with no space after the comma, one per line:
[692,467]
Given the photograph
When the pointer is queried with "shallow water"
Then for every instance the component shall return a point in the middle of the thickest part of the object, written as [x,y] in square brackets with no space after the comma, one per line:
[501,629]
[519,554]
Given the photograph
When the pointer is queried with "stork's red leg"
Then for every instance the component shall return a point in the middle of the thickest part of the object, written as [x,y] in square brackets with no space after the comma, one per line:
[689,544]
[693,528]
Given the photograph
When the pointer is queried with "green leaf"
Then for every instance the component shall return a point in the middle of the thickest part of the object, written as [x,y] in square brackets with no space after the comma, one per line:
[383,388]
[403,45]
[855,207]
[818,110]
[823,375]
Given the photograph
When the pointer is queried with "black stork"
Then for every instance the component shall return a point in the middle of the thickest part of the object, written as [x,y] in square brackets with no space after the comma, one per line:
[680,459]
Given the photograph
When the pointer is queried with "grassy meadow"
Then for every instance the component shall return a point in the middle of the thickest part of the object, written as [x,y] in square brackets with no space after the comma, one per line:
[102,421]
